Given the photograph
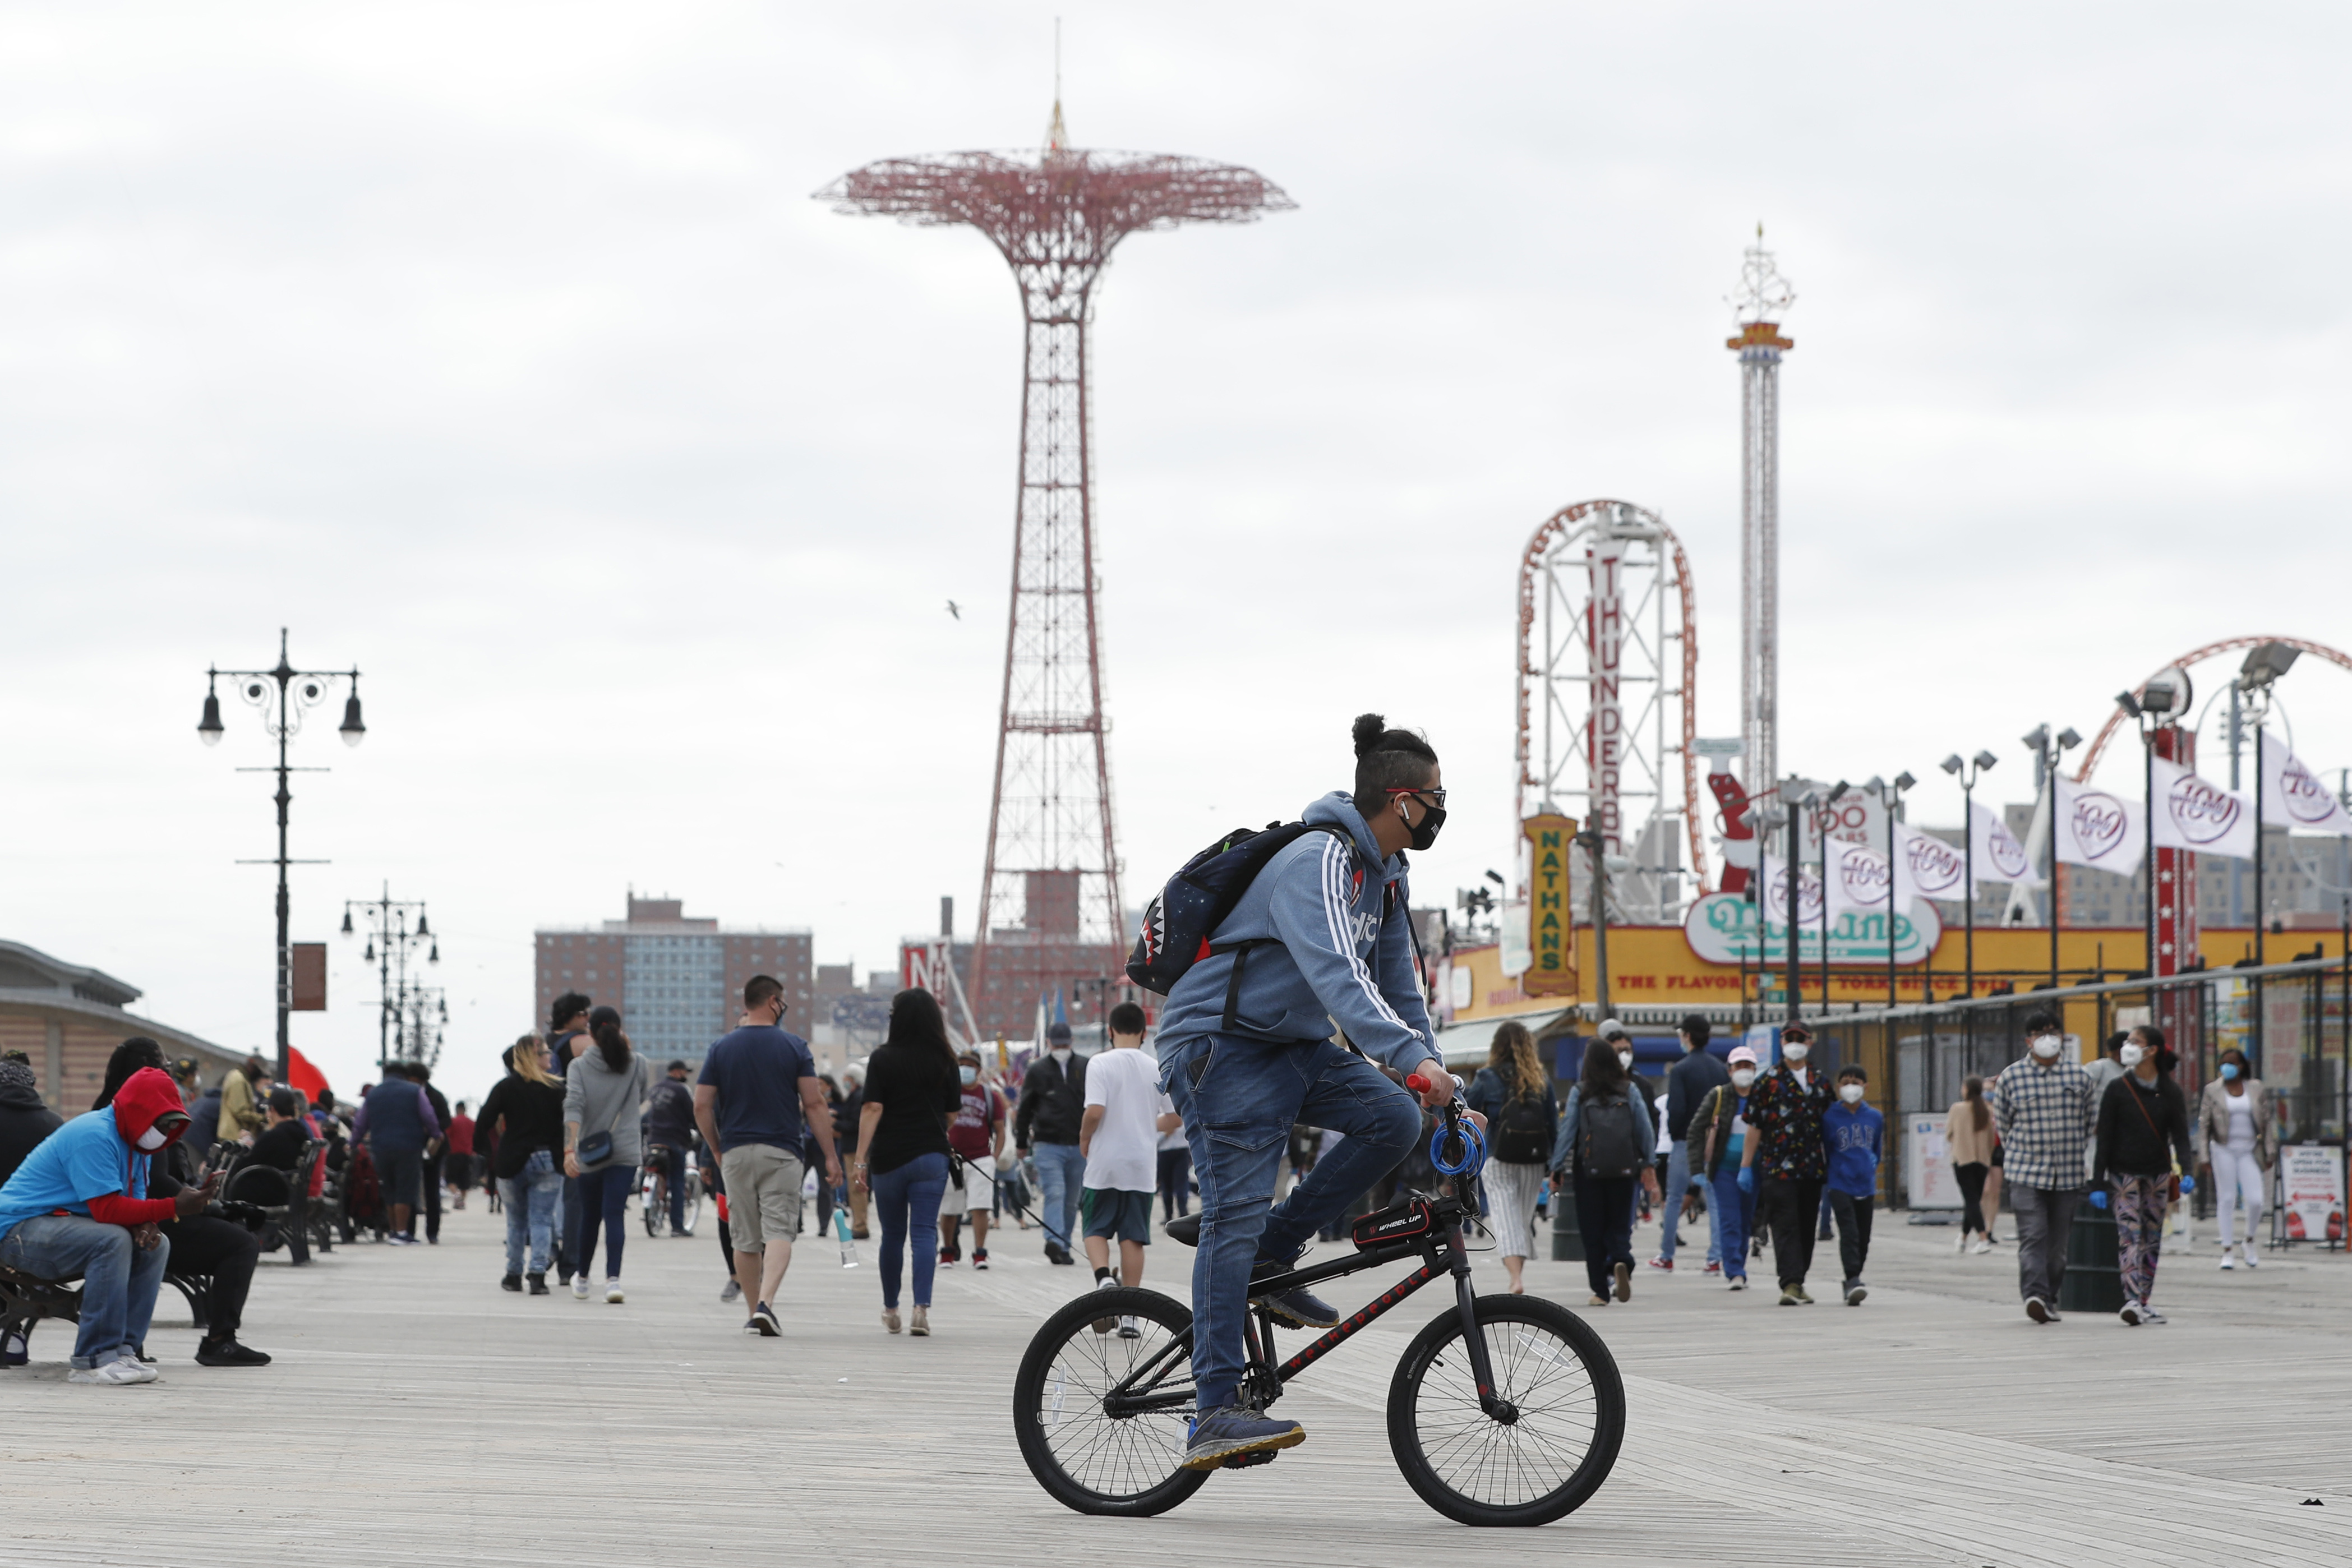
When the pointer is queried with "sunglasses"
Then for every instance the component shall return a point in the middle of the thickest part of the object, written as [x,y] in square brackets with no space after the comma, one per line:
[1431,797]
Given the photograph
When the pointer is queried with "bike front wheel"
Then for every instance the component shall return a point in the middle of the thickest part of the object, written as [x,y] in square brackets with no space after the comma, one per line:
[651,1202]
[1544,1456]
[1103,1418]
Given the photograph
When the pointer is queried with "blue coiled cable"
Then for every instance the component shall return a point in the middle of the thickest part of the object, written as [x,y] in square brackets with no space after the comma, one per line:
[1474,1148]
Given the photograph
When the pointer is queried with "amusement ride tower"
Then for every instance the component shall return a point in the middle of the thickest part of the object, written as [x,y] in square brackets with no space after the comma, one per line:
[1050,915]
[1763,297]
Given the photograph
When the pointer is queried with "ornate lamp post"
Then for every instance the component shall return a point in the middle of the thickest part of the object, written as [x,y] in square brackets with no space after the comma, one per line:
[282,696]
[390,940]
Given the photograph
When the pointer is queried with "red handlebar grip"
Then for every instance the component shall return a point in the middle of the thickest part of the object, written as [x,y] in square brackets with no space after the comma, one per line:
[1417,1082]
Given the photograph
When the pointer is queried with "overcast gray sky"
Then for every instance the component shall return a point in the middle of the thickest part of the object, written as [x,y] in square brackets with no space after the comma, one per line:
[500,350]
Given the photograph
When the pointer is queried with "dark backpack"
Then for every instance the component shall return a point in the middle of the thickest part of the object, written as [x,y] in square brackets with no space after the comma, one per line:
[1179,921]
[1608,1141]
[1523,1134]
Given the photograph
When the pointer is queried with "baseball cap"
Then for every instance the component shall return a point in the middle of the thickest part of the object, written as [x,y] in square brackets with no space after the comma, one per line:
[1611,1028]
[1740,1054]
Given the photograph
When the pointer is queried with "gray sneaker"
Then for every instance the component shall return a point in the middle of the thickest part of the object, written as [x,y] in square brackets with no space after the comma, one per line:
[1221,1436]
[733,1292]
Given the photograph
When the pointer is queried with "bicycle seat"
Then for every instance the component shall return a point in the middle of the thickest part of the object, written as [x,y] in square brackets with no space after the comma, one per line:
[1184,1228]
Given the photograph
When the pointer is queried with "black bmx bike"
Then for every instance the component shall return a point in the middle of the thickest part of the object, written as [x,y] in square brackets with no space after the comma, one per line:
[1504,1410]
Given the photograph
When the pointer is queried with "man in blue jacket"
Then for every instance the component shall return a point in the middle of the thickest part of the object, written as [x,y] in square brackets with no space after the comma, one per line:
[1331,911]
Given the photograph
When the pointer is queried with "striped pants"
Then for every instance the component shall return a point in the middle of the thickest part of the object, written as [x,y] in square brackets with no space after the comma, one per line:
[1512,1188]
[2140,1204]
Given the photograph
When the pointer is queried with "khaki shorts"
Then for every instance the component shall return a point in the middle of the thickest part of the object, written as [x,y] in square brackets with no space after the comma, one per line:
[978,1192]
[764,1194]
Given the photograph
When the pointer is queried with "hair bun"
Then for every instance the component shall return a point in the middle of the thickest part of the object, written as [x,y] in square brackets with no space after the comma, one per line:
[1368,729]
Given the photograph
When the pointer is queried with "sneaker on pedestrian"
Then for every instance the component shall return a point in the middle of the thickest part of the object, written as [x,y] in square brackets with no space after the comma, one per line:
[980,1258]
[613,1291]
[511,1282]
[17,1349]
[1128,1329]
[114,1372]
[918,1326]
[946,1257]
[1789,1297]
[1056,1253]
[764,1318]
[538,1284]
[2148,1314]
[135,1358]
[1854,1292]
[1663,1264]
[2130,1314]
[1624,1274]
[1960,1242]
[2253,1260]
[1804,1297]
[1108,1282]
[228,1353]
[1980,1247]
[580,1286]
[2228,1261]
[1713,1266]
[2038,1309]
[731,1291]
[1300,1309]
[1220,1434]
[890,1323]
[1598,1302]
[1739,1282]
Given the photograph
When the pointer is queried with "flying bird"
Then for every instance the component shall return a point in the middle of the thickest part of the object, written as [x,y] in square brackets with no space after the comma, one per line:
[955,610]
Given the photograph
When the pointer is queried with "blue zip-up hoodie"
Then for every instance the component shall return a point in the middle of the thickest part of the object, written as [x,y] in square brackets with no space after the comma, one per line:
[1322,899]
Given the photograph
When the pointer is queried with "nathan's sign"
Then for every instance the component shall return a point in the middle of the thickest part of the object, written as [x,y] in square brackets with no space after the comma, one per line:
[1725,928]
[1551,923]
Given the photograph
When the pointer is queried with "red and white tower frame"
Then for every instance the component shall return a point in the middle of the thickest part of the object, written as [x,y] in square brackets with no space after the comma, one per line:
[1050,913]
[1607,695]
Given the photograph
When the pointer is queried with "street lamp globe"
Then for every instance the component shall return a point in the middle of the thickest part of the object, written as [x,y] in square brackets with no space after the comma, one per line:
[352,730]
[209,729]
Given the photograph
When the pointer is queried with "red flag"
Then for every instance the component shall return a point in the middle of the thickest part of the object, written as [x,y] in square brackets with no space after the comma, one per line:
[301,1075]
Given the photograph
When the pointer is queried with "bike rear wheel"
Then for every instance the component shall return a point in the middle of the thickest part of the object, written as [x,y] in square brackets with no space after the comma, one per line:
[1568,1415]
[1085,1456]
[651,1201]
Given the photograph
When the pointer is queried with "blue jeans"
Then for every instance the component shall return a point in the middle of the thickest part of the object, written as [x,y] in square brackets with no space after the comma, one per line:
[1678,1181]
[1739,1212]
[118,1280]
[604,1198]
[1239,1099]
[913,1191]
[529,1200]
[1060,1171]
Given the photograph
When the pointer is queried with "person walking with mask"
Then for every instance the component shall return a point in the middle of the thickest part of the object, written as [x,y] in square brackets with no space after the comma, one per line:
[2237,1144]
[1514,1093]
[1046,1123]
[1719,1136]
[912,1087]
[1605,1139]
[977,1137]
[1855,1136]
[2143,1140]
[604,1144]
[522,1116]
[1786,1162]
[1688,1082]
[2041,1107]
[1967,1136]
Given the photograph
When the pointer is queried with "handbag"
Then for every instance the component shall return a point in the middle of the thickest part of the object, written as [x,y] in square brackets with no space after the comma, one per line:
[595,1148]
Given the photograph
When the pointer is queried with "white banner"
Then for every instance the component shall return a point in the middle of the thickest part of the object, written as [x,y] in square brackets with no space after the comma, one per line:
[1934,868]
[1772,892]
[1927,1176]
[2311,1191]
[2098,829]
[2293,797]
[2000,857]
[1858,879]
[2196,814]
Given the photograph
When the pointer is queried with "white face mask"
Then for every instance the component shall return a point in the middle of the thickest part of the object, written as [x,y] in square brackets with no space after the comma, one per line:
[1061,1055]
[2132,1056]
[154,1138]
[2045,1046]
[1849,1092]
[1796,1050]
[1741,1078]
[1626,1060]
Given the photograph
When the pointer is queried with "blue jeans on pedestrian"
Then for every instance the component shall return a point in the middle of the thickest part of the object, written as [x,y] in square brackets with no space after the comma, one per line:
[604,1200]
[1739,1210]
[529,1199]
[1678,1181]
[1060,1170]
[119,1278]
[1239,1099]
[912,1192]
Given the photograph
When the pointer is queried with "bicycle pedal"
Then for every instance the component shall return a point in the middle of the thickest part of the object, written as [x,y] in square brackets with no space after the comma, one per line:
[1243,1461]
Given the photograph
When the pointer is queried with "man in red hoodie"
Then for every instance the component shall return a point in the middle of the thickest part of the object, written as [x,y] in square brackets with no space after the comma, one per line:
[78,1207]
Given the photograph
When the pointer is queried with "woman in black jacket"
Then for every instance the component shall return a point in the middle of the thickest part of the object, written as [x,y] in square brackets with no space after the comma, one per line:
[525,1112]
[2143,1138]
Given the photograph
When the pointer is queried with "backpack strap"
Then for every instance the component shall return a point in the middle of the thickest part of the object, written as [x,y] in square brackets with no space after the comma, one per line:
[1241,950]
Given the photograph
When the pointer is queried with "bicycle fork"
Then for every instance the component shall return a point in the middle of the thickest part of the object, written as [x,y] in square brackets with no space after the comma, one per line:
[1474,1338]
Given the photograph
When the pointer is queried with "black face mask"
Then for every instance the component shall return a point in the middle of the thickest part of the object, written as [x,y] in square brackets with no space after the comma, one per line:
[1424,835]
